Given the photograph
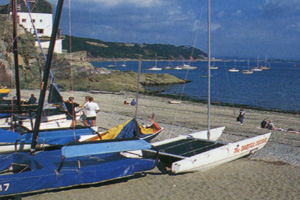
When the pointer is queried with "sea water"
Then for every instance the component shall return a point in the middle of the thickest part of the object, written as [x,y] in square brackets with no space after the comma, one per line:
[276,88]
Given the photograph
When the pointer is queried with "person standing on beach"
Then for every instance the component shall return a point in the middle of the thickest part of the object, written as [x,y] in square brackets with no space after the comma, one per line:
[71,105]
[92,109]
[241,116]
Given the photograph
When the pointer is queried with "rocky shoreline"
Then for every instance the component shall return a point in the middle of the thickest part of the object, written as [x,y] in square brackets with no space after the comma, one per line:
[71,71]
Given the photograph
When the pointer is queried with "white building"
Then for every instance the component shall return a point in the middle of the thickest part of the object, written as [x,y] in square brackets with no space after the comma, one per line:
[42,18]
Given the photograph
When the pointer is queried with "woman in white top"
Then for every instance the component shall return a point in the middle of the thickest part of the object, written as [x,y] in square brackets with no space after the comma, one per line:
[91,110]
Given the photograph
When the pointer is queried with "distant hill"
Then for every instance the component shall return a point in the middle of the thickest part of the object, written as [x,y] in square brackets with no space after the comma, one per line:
[98,48]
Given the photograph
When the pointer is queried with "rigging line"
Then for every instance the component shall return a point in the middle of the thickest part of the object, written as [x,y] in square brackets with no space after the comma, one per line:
[71,71]
[70,41]
[186,75]
[138,84]
[37,37]
[230,90]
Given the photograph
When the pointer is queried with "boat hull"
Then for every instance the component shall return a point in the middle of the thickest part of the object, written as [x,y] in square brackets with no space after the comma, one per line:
[221,155]
[45,174]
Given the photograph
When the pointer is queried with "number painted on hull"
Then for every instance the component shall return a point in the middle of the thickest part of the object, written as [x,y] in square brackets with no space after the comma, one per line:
[4,187]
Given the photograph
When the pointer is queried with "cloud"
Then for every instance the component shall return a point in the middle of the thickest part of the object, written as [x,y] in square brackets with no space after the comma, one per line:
[238,12]
[278,8]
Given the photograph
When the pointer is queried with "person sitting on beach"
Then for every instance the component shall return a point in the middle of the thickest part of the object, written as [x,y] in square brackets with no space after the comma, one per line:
[270,125]
[32,99]
[126,102]
[264,123]
[133,102]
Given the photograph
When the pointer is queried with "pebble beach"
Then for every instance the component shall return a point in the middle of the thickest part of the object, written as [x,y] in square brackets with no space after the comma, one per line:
[271,173]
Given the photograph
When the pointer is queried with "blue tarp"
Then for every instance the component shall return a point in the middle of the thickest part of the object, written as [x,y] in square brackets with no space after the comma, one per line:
[4,115]
[107,147]
[42,170]
[54,137]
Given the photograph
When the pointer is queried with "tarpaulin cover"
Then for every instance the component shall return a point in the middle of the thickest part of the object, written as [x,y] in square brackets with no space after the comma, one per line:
[129,129]
[8,136]
[4,92]
[92,169]
[107,147]
[54,137]
[4,115]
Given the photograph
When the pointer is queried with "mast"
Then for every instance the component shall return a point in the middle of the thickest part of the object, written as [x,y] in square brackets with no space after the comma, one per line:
[46,74]
[138,86]
[15,49]
[208,64]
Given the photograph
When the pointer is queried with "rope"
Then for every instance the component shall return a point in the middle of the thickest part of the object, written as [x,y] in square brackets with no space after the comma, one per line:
[186,75]
[37,37]
[70,38]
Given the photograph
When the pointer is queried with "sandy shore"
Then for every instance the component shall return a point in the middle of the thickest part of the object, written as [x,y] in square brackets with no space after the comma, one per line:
[271,173]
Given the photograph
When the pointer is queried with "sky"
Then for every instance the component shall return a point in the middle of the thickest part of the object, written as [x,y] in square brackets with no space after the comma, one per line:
[239,28]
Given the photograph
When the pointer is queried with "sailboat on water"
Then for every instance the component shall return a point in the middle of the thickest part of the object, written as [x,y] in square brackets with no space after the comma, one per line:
[257,68]
[234,69]
[266,66]
[247,71]
[155,68]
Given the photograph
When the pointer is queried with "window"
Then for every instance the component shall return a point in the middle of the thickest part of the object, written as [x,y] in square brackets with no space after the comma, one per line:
[40,31]
[33,20]
[24,20]
[41,20]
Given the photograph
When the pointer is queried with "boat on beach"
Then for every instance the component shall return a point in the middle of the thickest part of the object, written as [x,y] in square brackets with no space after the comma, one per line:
[200,151]
[67,165]
[194,152]
[4,92]
[20,139]
[72,165]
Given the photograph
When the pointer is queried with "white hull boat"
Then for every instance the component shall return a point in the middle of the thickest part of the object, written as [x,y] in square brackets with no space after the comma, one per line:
[247,72]
[198,154]
[186,66]
[155,69]
[233,70]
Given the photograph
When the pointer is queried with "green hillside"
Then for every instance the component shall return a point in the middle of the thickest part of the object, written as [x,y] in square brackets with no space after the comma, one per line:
[98,48]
